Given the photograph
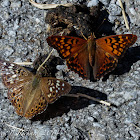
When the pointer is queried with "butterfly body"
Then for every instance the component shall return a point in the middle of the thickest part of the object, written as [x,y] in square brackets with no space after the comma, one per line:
[99,54]
[30,94]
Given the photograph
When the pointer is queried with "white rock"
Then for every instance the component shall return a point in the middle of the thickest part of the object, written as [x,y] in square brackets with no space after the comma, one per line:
[16,4]
[5,3]
[132,10]
[92,3]
[12,33]
[8,51]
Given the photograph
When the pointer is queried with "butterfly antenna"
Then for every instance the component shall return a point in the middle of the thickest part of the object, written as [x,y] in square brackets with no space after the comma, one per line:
[100,25]
[45,60]
[83,36]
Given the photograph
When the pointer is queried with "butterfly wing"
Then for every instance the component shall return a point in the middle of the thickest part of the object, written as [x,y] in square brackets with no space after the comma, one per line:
[116,45]
[53,88]
[104,63]
[34,101]
[16,78]
[108,50]
[79,63]
[12,74]
[67,46]
[41,92]
[75,51]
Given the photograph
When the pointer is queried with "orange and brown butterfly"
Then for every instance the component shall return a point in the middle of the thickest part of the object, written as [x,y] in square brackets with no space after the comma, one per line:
[101,54]
[30,94]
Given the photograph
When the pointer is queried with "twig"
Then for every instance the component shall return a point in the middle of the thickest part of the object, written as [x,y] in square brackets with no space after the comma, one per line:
[48,6]
[45,60]
[23,63]
[89,97]
[14,127]
[136,126]
[124,15]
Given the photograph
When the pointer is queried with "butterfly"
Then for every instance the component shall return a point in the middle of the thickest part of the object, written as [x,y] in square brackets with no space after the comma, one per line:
[101,55]
[30,94]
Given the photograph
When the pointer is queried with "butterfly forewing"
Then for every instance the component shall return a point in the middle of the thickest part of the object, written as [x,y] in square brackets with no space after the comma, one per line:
[53,88]
[116,45]
[74,50]
[67,46]
[13,74]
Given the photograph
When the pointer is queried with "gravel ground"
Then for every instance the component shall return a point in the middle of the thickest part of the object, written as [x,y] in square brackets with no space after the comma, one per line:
[23,36]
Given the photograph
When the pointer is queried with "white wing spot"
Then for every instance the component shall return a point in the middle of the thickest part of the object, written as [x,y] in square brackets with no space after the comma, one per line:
[49,95]
[4,63]
[63,84]
[12,65]
[57,84]
[58,81]
[56,91]
[11,82]
[62,88]
[14,76]
[51,89]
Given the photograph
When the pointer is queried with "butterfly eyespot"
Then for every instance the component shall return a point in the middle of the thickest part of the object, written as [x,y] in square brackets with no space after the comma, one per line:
[17,100]
[19,105]
[14,94]
[32,110]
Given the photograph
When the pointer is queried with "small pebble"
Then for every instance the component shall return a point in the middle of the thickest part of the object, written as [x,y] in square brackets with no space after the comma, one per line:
[16,4]
[93,3]
[114,9]
[5,3]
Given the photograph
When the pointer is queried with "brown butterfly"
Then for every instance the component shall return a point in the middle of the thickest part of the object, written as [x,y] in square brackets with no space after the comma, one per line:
[29,93]
[101,54]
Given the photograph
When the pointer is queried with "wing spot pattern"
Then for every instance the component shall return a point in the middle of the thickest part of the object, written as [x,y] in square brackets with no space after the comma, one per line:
[109,64]
[75,66]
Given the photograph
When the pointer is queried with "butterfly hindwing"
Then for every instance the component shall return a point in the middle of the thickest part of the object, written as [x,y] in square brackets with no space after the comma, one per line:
[53,88]
[79,63]
[34,102]
[104,63]
[67,46]
[116,45]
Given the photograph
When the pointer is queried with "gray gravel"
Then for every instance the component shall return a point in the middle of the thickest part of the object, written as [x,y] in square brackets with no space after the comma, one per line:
[23,36]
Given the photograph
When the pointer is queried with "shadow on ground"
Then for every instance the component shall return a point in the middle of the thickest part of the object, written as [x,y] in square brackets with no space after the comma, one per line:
[64,104]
